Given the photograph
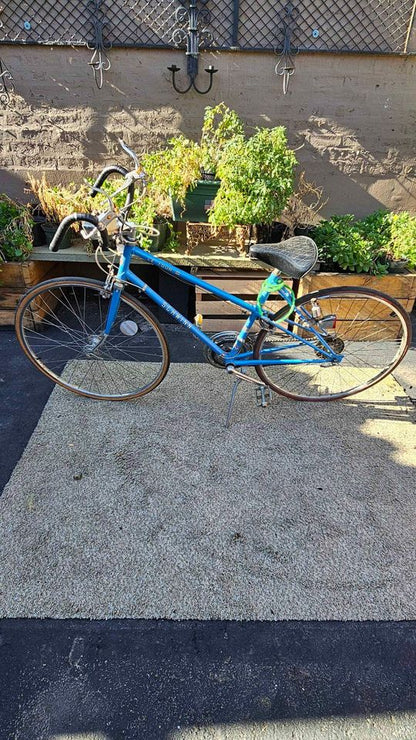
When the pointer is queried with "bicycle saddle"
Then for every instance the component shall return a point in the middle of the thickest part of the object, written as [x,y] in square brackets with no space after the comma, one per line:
[293,257]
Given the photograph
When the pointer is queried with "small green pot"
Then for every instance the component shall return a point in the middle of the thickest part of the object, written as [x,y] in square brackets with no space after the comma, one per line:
[158,242]
[50,229]
[198,202]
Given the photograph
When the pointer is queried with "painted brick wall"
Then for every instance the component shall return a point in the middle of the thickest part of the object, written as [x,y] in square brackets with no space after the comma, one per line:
[351,118]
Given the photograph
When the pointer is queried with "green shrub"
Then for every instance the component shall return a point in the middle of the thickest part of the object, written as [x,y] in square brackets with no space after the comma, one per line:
[343,244]
[15,231]
[256,172]
[403,238]
[256,179]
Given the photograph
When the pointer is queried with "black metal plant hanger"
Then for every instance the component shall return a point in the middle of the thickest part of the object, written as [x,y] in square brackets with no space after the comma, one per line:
[193,15]
[6,79]
[99,62]
[285,65]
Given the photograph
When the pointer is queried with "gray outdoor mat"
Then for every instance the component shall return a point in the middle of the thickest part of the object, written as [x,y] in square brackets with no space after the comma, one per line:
[153,509]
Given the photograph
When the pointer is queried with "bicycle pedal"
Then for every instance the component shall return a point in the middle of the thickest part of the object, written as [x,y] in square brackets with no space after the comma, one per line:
[263,395]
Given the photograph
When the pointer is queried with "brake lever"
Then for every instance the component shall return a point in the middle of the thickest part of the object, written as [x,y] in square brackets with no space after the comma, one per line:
[107,221]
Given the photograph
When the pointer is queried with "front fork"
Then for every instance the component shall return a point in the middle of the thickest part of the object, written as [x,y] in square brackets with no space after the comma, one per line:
[112,309]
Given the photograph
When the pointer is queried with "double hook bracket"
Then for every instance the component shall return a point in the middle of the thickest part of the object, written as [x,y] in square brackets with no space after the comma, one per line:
[99,62]
[191,16]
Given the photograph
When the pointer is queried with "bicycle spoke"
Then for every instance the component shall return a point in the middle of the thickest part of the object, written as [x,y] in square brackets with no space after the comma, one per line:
[70,346]
[371,335]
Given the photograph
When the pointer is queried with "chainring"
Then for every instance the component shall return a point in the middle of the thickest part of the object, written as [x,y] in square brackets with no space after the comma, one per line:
[225,341]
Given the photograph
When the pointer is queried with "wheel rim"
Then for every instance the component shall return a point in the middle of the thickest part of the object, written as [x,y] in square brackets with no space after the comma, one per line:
[371,332]
[61,330]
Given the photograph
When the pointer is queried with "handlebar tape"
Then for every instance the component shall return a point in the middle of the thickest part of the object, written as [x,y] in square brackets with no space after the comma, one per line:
[66,223]
[113,169]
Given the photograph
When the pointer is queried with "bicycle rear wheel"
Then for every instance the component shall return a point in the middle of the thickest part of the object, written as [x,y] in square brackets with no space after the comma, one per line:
[60,326]
[370,330]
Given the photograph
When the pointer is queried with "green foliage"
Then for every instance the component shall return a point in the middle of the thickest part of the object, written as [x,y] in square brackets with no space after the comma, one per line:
[220,127]
[376,229]
[403,238]
[173,170]
[172,242]
[15,231]
[369,244]
[342,244]
[256,172]
[256,179]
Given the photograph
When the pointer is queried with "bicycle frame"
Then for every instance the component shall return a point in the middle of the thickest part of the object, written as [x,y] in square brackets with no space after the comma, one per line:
[233,357]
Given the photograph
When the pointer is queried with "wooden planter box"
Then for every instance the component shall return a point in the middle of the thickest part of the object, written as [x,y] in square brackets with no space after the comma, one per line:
[399,286]
[15,279]
[223,316]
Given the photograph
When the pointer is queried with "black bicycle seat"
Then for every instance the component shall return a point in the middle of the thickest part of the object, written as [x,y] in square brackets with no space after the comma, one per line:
[293,257]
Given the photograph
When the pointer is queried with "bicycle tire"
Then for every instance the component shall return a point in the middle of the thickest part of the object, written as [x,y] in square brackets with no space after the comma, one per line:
[372,331]
[59,325]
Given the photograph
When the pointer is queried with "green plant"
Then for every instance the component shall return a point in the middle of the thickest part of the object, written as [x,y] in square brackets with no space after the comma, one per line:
[256,179]
[403,238]
[343,242]
[15,231]
[220,126]
[178,167]
[256,172]
[173,170]
[369,244]
[376,229]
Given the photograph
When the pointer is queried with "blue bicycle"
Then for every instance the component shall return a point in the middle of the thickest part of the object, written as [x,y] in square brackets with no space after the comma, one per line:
[96,339]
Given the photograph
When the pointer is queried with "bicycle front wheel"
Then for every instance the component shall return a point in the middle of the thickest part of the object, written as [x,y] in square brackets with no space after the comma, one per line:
[370,330]
[60,326]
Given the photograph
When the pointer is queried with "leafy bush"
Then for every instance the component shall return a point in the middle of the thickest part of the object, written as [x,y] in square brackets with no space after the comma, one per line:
[15,231]
[256,172]
[256,179]
[403,238]
[178,167]
[343,244]
[370,244]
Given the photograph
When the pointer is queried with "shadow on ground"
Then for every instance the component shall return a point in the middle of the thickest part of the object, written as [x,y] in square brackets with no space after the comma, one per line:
[158,679]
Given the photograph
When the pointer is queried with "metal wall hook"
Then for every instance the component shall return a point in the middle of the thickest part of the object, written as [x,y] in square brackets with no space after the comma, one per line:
[99,61]
[285,65]
[6,84]
[6,79]
[192,13]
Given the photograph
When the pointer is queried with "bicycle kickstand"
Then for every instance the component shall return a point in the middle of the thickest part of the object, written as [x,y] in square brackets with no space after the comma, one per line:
[263,394]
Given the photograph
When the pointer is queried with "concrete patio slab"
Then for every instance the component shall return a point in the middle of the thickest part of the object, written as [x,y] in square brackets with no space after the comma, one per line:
[153,509]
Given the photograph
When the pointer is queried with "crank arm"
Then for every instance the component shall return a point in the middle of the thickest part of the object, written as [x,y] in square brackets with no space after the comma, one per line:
[231,370]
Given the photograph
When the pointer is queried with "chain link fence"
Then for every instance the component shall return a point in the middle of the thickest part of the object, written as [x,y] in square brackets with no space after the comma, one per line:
[364,26]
